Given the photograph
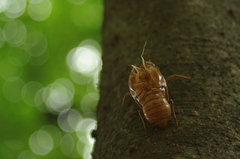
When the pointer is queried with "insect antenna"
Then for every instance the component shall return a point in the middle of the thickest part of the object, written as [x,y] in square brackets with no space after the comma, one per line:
[143,61]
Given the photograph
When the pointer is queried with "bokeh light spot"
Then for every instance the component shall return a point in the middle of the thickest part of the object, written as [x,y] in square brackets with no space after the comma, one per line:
[31,33]
[54,132]
[84,130]
[28,155]
[58,96]
[3,5]
[14,144]
[34,1]
[37,43]
[15,8]
[87,151]
[68,120]
[94,15]
[12,89]
[41,142]
[67,144]
[58,99]
[18,56]
[89,102]
[79,78]
[39,102]
[92,85]
[14,32]
[91,126]
[84,134]
[39,10]
[33,38]
[85,59]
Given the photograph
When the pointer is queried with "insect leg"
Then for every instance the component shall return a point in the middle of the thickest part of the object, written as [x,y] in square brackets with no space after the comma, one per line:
[140,112]
[173,111]
[180,76]
[170,101]
[136,69]
[124,98]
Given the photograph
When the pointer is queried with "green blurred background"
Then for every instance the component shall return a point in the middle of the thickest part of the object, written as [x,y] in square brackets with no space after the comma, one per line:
[50,58]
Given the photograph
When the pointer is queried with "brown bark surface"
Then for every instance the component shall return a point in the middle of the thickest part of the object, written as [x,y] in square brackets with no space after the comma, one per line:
[196,38]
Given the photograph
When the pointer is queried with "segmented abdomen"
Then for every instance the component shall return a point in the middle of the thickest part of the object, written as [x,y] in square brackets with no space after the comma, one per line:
[155,107]
[148,88]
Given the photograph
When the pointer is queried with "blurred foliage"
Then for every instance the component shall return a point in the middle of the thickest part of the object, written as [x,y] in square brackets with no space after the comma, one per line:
[50,58]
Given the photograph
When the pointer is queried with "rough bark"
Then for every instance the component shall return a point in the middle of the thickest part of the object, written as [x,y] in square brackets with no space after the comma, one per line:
[197,38]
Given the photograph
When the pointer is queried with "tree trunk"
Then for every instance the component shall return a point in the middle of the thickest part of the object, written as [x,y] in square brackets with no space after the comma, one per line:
[197,38]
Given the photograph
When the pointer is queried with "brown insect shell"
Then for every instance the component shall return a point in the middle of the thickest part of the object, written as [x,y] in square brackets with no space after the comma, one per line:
[149,89]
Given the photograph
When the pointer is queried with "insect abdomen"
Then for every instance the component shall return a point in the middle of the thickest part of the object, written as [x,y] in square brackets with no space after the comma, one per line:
[156,109]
